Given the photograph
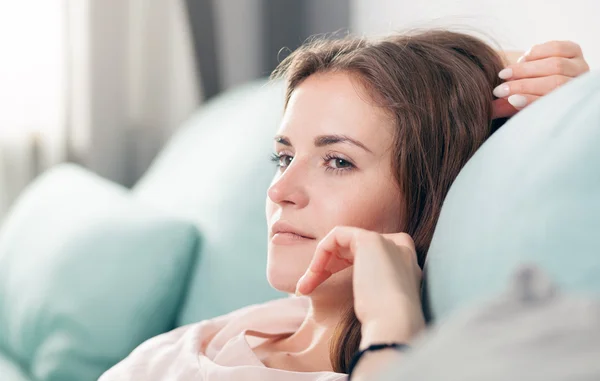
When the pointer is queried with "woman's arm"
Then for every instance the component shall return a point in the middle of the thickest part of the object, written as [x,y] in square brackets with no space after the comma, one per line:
[387,305]
[373,363]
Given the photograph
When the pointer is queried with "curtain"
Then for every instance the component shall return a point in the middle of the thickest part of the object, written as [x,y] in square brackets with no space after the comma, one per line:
[131,84]
[32,79]
[103,83]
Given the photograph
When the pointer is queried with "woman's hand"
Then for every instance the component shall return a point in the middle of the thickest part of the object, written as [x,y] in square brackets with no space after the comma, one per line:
[386,280]
[539,71]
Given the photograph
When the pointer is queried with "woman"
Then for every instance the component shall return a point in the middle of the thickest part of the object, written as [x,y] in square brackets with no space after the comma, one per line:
[373,134]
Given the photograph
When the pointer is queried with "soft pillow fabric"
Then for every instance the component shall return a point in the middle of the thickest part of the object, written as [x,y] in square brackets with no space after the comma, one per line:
[530,194]
[532,332]
[87,274]
[216,171]
[10,370]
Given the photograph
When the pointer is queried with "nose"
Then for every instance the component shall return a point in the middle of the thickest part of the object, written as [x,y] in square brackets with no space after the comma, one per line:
[289,187]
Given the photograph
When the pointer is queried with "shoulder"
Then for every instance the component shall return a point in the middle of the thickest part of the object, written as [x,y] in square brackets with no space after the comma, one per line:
[182,345]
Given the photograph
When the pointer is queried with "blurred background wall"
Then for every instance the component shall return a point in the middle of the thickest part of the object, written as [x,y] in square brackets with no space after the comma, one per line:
[515,24]
[104,83]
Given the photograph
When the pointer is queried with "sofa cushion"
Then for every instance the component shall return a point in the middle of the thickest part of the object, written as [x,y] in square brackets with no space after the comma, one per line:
[533,331]
[87,274]
[530,194]
[10,370]
[216,171]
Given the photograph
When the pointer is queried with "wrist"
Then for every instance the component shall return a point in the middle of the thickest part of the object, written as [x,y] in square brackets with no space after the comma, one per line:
[378,332]
[391,329]
[383,354]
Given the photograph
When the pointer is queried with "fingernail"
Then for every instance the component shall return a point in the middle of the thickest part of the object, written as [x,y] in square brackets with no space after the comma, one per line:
[501,91]
[517,100]
[522,58]
[298,293]
[505,73]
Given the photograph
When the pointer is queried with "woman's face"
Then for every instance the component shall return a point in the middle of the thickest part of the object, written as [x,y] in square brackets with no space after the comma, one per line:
[334,155]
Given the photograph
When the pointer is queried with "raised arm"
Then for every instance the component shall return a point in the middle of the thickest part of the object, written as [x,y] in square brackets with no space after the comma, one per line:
[387,304]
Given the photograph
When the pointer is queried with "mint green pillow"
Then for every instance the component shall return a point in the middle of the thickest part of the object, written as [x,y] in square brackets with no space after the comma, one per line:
[216,171]
[10,370]
[531,194]
[86,275]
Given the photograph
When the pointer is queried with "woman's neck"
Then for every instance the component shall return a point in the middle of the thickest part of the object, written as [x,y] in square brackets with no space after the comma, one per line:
[308,347]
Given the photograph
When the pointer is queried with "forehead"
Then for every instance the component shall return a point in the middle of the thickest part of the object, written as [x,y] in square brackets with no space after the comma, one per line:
[336,103]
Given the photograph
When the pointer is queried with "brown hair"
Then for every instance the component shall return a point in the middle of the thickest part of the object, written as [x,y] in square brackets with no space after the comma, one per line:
[437,86]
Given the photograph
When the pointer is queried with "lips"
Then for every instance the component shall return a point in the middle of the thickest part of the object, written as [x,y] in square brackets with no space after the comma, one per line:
[284,229]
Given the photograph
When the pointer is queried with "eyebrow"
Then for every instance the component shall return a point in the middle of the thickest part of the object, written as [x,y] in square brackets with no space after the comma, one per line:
[325,140]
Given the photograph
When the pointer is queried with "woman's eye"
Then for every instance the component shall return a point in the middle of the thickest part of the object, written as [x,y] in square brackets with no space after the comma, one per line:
[285,160]
[282,161]
[338,163]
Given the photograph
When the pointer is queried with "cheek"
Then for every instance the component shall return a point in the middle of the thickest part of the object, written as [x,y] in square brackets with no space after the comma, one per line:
[367,207]
[269,210]
[360,205]
[272,211]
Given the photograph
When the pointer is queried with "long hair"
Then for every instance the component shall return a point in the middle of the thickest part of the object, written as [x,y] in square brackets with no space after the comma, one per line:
[437,87]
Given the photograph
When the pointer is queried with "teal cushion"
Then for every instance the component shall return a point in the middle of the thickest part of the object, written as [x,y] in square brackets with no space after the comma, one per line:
[87,274]
[531,194]
[10,370]
[216,171]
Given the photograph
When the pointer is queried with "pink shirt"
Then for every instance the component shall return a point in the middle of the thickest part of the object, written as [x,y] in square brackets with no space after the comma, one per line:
[219,349]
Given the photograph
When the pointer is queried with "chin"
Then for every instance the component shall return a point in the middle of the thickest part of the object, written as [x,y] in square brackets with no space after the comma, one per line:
[285,266]
[284,269]
[283,285]
[283,278]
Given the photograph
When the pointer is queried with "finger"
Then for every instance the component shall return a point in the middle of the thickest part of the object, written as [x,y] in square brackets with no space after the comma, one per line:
[401,239]
[565,49]
[310,281]
[533,86]
[330,264]
[543,68]
[502,109]
[332,255]
[335,251]
[520,101]
[316,273]
[507,107]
